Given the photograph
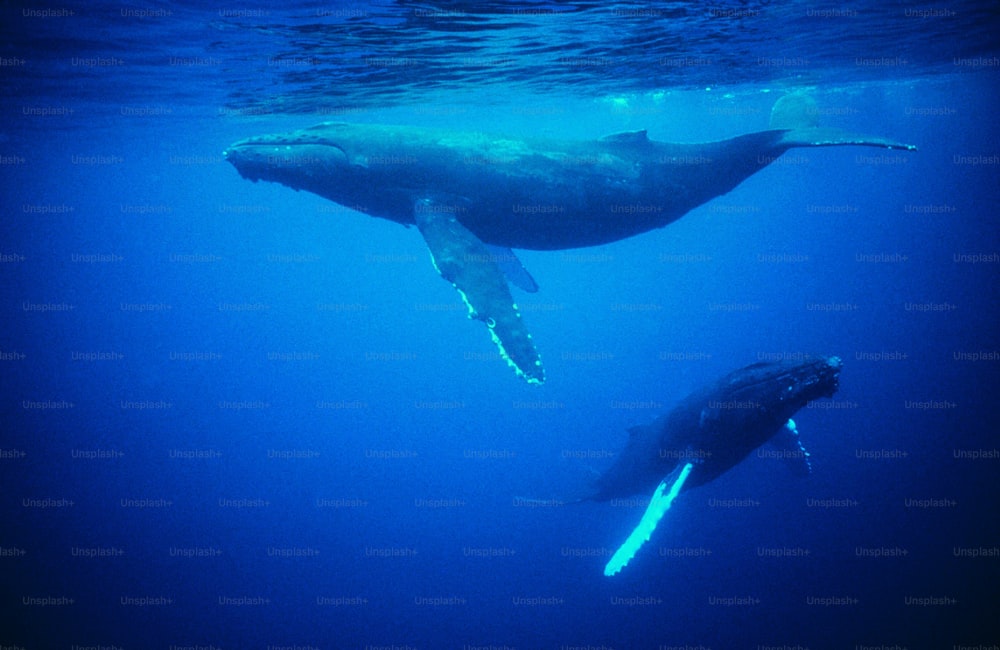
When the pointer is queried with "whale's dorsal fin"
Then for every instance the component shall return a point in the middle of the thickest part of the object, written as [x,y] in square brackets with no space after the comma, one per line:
[626,137]
[464,260]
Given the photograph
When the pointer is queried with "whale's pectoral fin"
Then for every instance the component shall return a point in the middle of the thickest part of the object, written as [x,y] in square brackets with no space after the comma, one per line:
[465,261]
[658,505]
[790,448]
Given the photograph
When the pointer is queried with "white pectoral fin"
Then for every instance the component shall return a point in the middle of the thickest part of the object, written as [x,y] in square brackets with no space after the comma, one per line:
[658,506]
[789,446]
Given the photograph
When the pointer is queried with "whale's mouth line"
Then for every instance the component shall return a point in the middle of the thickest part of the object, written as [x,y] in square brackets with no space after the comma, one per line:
[289,143]
[247,154]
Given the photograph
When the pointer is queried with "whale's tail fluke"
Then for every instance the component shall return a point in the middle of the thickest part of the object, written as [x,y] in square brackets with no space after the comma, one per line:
[830,137]
[798,115]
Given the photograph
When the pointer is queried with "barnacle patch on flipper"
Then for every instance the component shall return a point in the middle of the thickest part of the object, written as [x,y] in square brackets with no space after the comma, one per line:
[464,260]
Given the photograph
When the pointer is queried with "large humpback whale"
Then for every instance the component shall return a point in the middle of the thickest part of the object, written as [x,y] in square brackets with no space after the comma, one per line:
[474,196]
[710,432]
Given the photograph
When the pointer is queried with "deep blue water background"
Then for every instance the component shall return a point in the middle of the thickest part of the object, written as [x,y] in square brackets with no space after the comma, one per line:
[409,437]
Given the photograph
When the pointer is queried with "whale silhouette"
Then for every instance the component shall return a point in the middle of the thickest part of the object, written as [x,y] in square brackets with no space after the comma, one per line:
[475,196]
[711,431]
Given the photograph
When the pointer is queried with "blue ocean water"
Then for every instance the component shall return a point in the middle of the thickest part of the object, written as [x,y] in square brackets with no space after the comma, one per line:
[237,416]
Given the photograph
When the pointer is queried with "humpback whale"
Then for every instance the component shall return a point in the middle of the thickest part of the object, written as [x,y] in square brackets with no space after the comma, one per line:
[475,196]
[710,432]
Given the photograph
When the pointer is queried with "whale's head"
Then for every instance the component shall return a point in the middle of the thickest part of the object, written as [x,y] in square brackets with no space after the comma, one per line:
[752,403]
[787,384]
[299,159]
[750,406]
[350,164]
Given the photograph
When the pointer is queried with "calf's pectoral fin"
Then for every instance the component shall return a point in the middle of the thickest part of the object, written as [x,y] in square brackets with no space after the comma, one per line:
[658,505]
[464,260]
[790,449]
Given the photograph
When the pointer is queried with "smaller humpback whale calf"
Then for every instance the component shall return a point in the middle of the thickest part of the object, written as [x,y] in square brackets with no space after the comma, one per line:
[475,196]
[710,432]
